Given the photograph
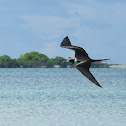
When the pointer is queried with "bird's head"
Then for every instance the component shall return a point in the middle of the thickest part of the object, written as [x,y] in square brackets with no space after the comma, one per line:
[70,60]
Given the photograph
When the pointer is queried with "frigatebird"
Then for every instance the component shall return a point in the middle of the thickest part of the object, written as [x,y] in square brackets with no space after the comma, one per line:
[82,61]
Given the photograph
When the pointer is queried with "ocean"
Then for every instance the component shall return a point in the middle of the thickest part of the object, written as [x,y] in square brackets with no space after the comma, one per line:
[62,97]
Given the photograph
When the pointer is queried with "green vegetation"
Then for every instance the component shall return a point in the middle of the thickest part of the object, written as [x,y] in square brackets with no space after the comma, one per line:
[7,62]
[99,65]
[33,60]
[38,60]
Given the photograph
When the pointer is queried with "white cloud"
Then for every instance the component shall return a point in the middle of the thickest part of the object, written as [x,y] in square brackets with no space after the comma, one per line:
[99,24]
[83,19]
[99,12]
[49,26]
[51,29]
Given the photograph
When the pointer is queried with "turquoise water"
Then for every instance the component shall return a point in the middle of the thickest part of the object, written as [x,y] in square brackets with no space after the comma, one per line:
[62,97]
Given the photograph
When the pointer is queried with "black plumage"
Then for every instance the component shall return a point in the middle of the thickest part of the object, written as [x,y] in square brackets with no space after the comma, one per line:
[82,59]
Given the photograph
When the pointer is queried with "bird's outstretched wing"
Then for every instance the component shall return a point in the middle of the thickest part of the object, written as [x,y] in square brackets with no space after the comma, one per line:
[83,67]
[80,53]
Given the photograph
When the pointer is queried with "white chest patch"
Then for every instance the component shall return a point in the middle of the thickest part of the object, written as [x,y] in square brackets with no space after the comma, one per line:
[75,59]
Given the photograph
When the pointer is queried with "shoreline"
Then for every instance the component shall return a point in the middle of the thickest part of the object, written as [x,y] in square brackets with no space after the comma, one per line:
[117,66]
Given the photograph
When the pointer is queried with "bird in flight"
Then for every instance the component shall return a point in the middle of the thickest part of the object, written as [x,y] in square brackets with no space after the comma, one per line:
[82,61]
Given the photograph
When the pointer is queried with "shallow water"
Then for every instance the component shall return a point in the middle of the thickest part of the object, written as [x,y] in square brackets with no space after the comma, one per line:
[62,97]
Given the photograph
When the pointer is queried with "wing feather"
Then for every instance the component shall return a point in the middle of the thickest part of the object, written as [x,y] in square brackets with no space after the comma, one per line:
[80,53]
[83,67]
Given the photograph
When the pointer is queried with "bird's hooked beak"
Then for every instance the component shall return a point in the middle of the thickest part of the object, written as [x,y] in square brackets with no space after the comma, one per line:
[66,61]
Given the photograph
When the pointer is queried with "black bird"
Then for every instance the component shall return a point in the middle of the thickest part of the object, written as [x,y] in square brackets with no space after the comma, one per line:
[82,61]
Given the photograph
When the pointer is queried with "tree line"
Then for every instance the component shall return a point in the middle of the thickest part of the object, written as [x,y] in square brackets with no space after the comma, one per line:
[37,60]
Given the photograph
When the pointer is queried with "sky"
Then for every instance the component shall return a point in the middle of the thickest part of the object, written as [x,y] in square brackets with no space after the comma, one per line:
[99,26]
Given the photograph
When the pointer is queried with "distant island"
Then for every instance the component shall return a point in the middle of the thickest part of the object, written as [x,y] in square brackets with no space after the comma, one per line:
[39,60]
[117,66]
